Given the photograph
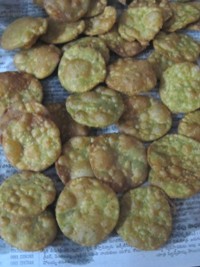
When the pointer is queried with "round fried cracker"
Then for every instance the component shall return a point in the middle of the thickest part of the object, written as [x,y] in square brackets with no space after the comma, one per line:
[87,211]
[18,88]
[145,118]
[26,194]
[98,108]
[81,69]
[190,125]
[74,160]
[40,60]
[140,23]
[62,32]
[118,160]
[96,7]
[176,166]
[145,220]
[66,10]
[28,233]
[177,47]
[131,76]
[67,126]
[180,87]
[31,142]
[23,32]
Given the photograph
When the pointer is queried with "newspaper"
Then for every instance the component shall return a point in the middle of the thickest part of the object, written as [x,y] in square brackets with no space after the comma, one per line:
[183,247]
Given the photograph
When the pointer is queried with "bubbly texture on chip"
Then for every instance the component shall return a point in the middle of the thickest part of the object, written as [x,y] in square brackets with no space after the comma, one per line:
[87,211]
[145,220]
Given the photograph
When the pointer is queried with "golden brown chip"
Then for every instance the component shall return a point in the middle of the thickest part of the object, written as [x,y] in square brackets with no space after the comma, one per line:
[67,126]
[23,32]
[40,60]
[131,76]
[96,7]
[101,23]
[74,160]
[118,160]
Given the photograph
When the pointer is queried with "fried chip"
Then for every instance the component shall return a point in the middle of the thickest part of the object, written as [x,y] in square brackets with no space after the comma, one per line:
[28,233]
[66,10]
[118,160]
[67,126]
[145,118]
[140,23]
[175,164]
[87,211]
[98,108]
[190,125]
[39,61]
[180,87]
[23,32]
[39,2]
[194,26]
[74,160]
[96,7]
[18,88]
[102,23]
[145,220]
[131,76]
[26,194]
[62,32]
[81,69]
[31,142]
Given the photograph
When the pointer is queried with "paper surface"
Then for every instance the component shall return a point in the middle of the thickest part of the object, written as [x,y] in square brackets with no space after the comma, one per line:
[183,248]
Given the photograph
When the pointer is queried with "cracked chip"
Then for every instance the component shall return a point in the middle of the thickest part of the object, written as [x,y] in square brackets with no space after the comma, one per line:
[74,160]
[130,76]
[81,69]
[145,220]
[66,10]
[31,142]
[96,7]
[140,23]
[118,160]
[39,61]
[98,108]
[23,32]
[92,42]
[183,14]
[177,47]
[67,126]
[26,193]
[120,46]
[28,233]
[180,87]
[174,160]
[18,88]
[189,125]
[145,118]
[87,211]
[102,23]
[62,32]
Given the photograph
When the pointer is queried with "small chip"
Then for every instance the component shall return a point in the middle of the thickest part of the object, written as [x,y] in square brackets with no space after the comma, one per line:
[190,125]
[66,10]
[31,142]
[98,108]
[62,32]
[81,69]
[175,164]
[39,61]
[145,118]
[28,233]
[96,7]
[145,220]
[74,160]
[102,23]
[87,211]
[131,76]
[23,33]
[118,160]
[26,194]
[180,87]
